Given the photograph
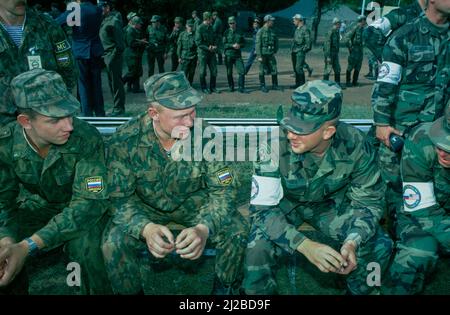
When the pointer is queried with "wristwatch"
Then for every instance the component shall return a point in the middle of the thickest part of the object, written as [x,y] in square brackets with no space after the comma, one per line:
[33,249]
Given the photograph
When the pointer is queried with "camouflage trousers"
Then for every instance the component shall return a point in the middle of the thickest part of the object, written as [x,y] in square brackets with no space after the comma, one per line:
[262,254]
[333,65]
[299,63]
[114,71]
[134,65]
[122,252]
[153,56]
[421,235]
[188,67]
[237,61]
[83,249]
[268,63]
[207,60]
[355,59]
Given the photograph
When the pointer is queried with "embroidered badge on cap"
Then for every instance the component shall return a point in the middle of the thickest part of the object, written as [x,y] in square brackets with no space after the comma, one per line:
[224,176]
[94,184]
[411,196]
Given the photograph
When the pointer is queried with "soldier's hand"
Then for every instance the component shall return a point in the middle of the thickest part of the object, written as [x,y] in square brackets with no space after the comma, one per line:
[259,59]
[236,46]
[348,252]
[322,256]
[191,242]
[328,60]
[12,259]
[6,241]
[383,133]
[154,235]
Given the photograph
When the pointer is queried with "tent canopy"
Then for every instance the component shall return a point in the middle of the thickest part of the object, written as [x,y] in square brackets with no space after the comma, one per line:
[303,7]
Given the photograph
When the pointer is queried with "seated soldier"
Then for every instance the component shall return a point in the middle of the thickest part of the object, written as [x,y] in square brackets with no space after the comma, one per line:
[151,186]
[326,176]
[424,222]
[52,183]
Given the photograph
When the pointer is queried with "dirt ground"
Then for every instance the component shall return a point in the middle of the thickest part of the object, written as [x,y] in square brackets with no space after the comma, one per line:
[353,96]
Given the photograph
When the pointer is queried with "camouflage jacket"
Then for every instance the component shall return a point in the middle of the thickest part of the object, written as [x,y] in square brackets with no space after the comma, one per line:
[332,42]
[173,40]
[413,81]
[43,38]
[145,179]
[230,38]
[376,34]
[266,41]
[346,180]
[205,37]
[111,34]
[134,47]
[158,40]
[186,47]
[354,38]
[302,40]
[426,184]
[69,183]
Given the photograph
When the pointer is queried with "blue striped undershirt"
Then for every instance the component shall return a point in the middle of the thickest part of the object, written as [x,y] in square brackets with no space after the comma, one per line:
[15,32]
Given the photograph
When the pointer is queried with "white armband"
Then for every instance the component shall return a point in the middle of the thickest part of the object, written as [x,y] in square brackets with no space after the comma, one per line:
[266,191]
[418,196]
[384,25]
[390,72]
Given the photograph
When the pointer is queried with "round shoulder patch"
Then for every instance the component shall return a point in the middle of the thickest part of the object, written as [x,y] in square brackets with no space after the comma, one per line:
[255,189]
[411,196]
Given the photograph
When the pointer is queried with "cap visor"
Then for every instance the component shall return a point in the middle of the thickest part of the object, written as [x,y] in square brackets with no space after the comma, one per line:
[298,126]
[439,136]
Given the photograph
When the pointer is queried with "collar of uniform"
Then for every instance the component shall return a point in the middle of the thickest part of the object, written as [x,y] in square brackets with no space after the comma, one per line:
[426,26]
[148,135]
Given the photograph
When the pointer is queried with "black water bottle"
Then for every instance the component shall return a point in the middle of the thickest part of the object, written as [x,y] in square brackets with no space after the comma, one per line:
[396,142]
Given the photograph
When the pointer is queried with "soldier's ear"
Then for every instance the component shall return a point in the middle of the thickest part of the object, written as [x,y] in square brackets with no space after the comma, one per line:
[329,132]
[24,120]
[153,113]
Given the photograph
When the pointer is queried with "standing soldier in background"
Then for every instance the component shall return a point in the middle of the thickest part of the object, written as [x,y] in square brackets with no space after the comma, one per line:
[30,40]
[112,11]
[111,34]
[424,221]
[356,51]
[130,15]
[331,52]
[266,48]
[207,45]
[197,21]
[173,39]
[187,51]
[300,46]
[157,45]
[413,86]
[218,30]
[373,66]
[252,54]
[233,42]
[135,46]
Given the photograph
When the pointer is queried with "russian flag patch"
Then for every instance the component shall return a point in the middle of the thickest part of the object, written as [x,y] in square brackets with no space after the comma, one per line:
[224,176]
[94,184]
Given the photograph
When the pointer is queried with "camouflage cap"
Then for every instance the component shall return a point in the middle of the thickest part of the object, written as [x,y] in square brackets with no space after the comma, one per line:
[178,19]
[215,13]
[190,22]
[298,17]
[155,18]
[257,20]
[268,17]
[171,90]
[440,131]
[44,92]
[314,103]
[131,15]
[207,15]
[336,20]
[136,20]
[231,19]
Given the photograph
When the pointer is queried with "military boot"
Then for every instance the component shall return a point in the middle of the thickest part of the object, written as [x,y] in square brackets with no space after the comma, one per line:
[241,84]
[348,75]
[275,83]
[230,83]
[262,84]
[203,85]
[337,79]
[355,77]
[212,85]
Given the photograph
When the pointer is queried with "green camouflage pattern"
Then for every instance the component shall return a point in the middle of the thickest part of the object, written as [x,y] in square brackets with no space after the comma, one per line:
[44,92]
[134,51]
[188,193]
[187,51]
[422,50]
[173,40]
[205,37]
[158,41]
[340,195]
[51,197]
[171,90]
[266,42]
[422,233]
[50,43]
[354,41]
[440,131]
[331,52]
[302,40]
[314,103]
[233,56]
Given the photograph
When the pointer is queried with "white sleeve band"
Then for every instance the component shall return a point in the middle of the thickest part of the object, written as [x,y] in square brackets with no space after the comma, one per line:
[384,25]
[266,191]
[418,196]
[390,72]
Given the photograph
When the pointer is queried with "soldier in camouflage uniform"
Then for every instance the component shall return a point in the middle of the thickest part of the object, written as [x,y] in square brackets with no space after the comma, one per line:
[187,51]
[326,176]
[173,39]
[266,48]
[207,45]
[373,66]
[331,52]
[196,19]
[41,44]
[412,87]
[111,35]
[217,26]
[233,42]
[355,46]
[53,179]
[135,46]
[157,45]
[152,186]
[424,222]
[300,46]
